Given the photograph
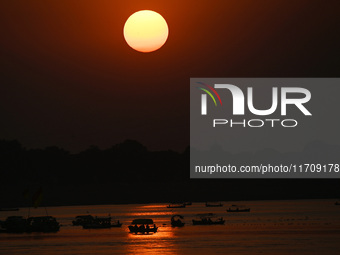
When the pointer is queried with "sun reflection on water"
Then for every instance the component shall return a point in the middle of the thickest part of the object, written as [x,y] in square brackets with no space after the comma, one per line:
[161,242]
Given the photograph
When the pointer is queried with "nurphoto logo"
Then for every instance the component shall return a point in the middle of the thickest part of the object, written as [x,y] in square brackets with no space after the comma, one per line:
[296,96]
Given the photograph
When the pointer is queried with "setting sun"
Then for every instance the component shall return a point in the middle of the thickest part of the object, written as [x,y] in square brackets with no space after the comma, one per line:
[146,31]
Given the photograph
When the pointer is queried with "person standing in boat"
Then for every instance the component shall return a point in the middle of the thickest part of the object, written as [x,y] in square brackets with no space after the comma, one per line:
[142,228]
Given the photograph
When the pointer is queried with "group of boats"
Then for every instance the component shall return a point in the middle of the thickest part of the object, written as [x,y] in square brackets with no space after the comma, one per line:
[238,208]
[138,226]
[19,224]
[231,209]
[90,222]
[201,219]
[216,204]
[208,219]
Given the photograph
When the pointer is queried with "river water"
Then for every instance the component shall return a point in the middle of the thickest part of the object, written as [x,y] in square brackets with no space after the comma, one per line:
[272,227]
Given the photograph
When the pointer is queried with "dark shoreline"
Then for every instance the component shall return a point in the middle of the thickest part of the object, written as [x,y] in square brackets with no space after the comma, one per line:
[129,173]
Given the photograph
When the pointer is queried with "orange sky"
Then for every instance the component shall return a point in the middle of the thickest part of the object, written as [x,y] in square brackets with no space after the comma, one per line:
[68,77]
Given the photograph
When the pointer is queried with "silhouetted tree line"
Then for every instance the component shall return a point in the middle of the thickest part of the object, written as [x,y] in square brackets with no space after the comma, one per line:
[129,173]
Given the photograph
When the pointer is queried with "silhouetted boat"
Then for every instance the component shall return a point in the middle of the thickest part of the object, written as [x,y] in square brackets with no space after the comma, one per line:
[176,206]
[80,220]
[176,221]
[18,224]
[240,208]
[14,224]
[101,222]
[337,203]
[9,209]
[142,226]
[213,204]
[42,224]
[208,219]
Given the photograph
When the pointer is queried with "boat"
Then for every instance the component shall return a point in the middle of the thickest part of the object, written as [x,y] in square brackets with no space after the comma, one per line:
[176,221]
[80,220]
[176,206]
[2,229]
[19,224]
[188,203]
[101,222]
[142,226]
[337,203]
[238,208]
[42,224]
[14,224]
[213,204]
[208,219]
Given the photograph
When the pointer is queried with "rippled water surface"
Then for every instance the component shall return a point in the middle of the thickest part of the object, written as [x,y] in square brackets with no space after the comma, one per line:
[272,227]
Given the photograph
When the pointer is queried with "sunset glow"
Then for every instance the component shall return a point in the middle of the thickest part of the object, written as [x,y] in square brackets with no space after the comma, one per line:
[169,127]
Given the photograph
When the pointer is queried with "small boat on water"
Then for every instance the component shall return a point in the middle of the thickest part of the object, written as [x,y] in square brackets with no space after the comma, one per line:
[176,221]
[80,220]
[101,222]
[43,224]
[14,224]
[218,204]
[176,206]
[19,224]
[238,208]
[208,219]
[142,226]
